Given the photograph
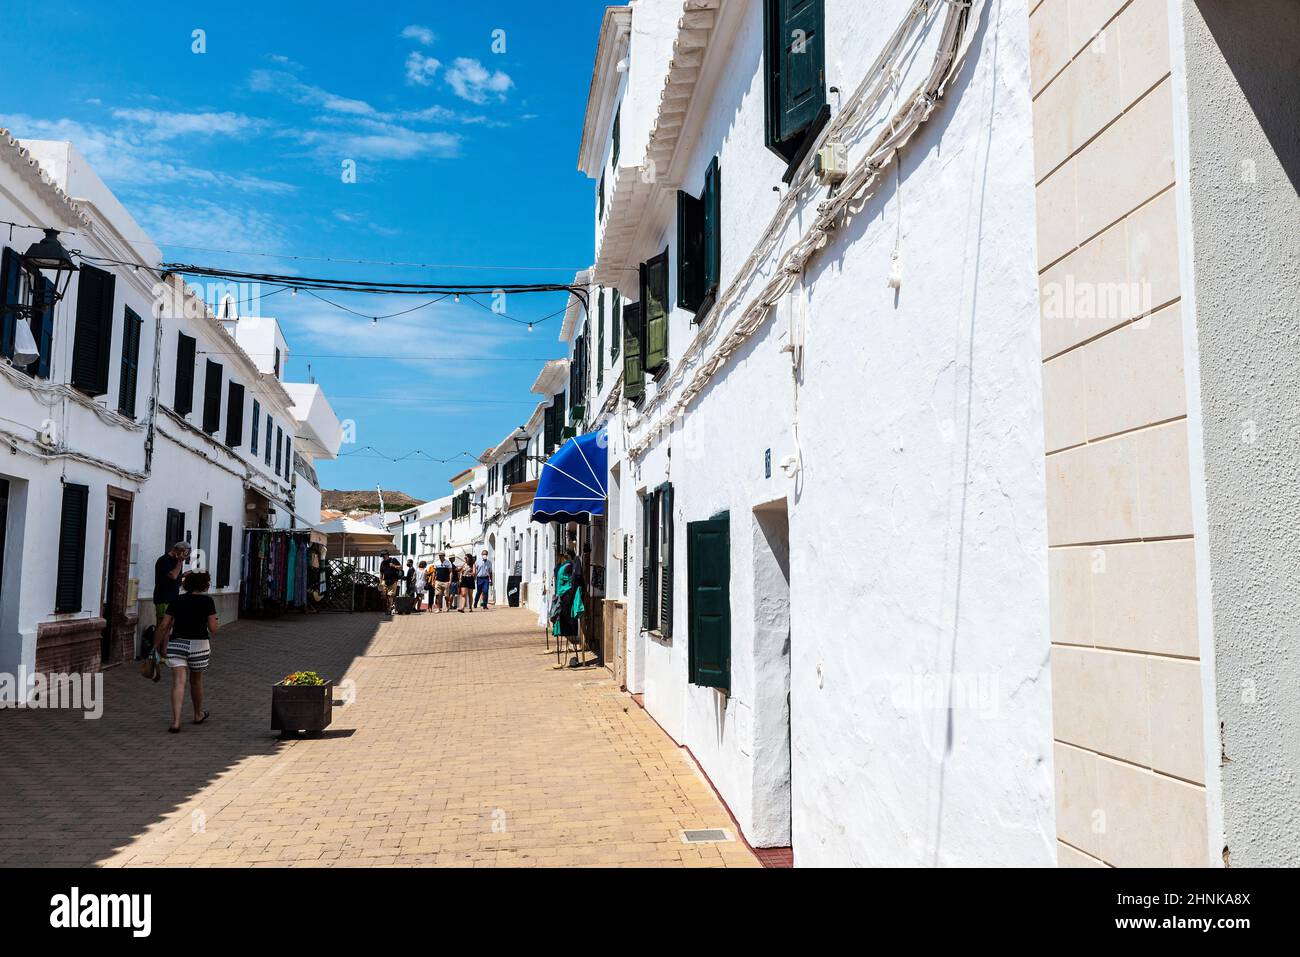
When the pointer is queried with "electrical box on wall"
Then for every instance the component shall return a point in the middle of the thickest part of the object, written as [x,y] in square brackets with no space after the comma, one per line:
[832,164]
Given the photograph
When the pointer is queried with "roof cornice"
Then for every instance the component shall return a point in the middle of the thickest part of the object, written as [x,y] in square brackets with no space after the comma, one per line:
[615,31]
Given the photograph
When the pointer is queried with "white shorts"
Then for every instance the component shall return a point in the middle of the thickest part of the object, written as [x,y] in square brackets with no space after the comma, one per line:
[192,653]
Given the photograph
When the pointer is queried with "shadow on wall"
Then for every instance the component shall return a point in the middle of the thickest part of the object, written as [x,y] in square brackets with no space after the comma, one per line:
[1257,42]
[76,790]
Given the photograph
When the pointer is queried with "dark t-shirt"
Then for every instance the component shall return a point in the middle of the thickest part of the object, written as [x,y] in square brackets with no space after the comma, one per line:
[392,573]
[165,588]
[442,571]
[190,613]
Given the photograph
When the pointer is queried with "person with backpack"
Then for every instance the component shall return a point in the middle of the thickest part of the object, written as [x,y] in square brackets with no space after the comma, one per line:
[184,639]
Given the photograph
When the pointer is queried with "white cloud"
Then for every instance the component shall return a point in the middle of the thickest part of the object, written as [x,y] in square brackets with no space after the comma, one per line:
[277,81]
[472,81]
[419,34]
[368,138]
[201,222]
[420,69]
[137,154]
[163,125]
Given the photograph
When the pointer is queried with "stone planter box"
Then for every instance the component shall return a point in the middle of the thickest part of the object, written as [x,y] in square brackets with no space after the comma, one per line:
[297,708]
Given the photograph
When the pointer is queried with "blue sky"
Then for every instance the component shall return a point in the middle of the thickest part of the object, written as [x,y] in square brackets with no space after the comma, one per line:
[465,156]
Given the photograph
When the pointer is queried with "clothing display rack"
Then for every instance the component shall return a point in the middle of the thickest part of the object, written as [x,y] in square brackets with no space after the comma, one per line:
[277,571]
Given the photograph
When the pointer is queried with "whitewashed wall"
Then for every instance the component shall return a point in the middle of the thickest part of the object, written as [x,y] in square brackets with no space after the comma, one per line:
[917,530]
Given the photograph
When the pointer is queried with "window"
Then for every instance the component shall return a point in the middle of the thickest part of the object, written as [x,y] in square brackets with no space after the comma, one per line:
[699,244]
[212,398]
[20,288]
[183,402]
[654,313]
[615,314]
[266,458]
[277,362]
[460,506]
[279,448]
[600,338]
[224,536]
[92,340]
[657,560]
[175,528]
[578,370]
[708,578]
[794,73]
[72,548]
[257,420]
[515,469]
[618,123]
[633,369]
[600,200]
[288,456]
[235,416]
[130,373]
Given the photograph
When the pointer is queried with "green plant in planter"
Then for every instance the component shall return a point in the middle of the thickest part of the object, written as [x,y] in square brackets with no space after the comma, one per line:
[302,679]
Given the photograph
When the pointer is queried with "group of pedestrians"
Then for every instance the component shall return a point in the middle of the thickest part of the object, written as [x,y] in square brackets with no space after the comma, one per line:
[459,583]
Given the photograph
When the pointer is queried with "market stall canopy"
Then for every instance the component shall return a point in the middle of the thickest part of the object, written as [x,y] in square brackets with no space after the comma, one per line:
[572,485]
[348,537]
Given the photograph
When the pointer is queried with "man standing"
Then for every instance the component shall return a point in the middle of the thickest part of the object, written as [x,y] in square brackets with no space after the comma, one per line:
[390,570]
[482,579]
[441,581]
[166,582]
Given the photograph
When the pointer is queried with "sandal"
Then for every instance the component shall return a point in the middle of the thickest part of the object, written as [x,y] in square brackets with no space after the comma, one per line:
[205,717]
[175,730]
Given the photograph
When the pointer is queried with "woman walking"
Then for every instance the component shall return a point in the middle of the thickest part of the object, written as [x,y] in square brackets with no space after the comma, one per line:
[567,607]
[184,635]
[467,582]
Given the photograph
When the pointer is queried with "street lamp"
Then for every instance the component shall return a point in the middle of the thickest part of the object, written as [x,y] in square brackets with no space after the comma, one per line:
[47,255]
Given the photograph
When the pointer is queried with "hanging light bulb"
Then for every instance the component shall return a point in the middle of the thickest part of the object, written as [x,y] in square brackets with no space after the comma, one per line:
[458,297]
[374,321]
[293,291]
[530,327]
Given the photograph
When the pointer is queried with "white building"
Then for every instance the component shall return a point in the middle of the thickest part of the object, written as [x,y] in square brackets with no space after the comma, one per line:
[871,474]
[144,417]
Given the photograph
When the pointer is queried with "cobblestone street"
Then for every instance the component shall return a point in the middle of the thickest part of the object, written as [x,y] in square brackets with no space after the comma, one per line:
[464,746]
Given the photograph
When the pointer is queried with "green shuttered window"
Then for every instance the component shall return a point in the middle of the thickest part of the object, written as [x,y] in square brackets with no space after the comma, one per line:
[795,71]
[212,398]
[257,421]
[235,416]
[130,372]
[657,560]
[183,401]
[600,338]
[72,549]
[699,244]
[708,575]
[225,535]
[654,312]
[92,339]
[633,369]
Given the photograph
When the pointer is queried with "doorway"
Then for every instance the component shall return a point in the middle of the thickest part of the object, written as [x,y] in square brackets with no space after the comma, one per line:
[772,636]
[118,634]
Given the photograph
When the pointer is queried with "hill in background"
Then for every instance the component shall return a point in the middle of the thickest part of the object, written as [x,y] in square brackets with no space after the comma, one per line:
[366,501]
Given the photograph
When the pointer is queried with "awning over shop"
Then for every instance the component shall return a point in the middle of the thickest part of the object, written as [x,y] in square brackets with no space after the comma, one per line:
[520,494]
[573,481]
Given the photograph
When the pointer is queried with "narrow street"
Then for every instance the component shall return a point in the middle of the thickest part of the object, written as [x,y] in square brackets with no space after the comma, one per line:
[464,745]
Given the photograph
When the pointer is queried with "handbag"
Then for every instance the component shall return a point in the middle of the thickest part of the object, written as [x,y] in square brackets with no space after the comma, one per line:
[151,667]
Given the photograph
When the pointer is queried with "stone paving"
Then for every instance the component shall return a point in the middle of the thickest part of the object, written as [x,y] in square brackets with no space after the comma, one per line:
[464,745]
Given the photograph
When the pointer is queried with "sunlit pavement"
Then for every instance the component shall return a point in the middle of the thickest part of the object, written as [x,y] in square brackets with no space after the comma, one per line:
[463,745]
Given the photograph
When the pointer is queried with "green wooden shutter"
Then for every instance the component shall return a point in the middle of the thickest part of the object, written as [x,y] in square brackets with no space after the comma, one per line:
[43,328]
[633,369]
[690,251]
[615,333]
[212,398]
[618,123]
[665,496]
[266,458]
[224,537]
[235,416]
[708,569]
[279,448]
[548,429]
[648,616]
[72,548]
[130,371]
[794,70]
[11,286]
[183,402]
[93,332]
[257,421]
[175,528]
[600,203]
[600,339]
[654,303]
[711,240]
